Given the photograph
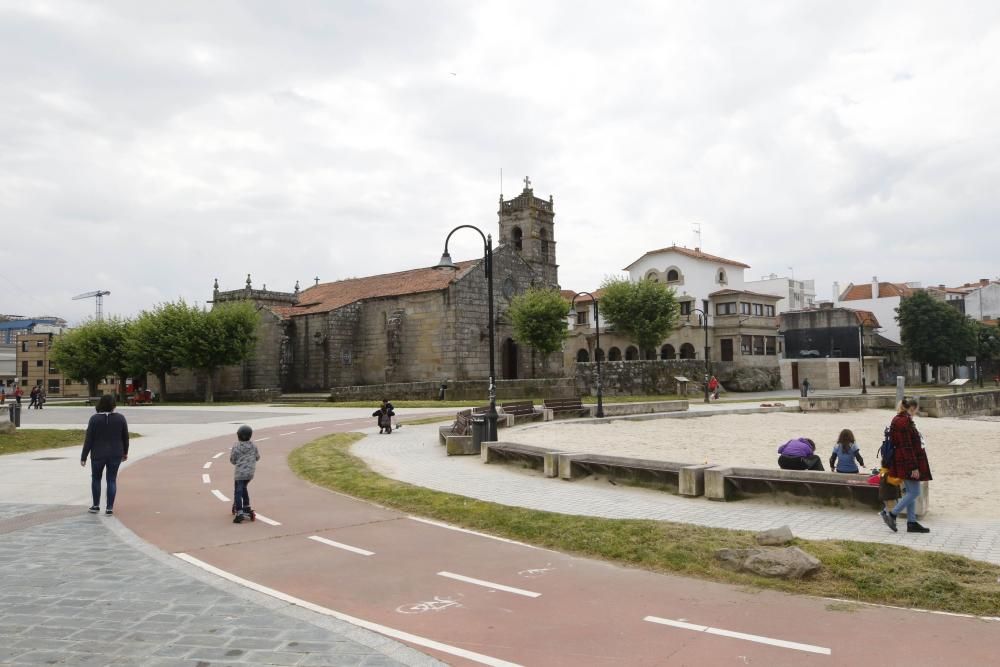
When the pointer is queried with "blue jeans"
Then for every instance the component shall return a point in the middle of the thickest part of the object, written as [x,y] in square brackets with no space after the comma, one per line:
[241,498]
[911,491]
[97,470]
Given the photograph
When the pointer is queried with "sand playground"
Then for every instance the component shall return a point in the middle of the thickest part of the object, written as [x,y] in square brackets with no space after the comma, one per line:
[964,453]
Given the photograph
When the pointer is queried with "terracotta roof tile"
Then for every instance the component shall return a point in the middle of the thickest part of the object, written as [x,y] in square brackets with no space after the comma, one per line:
[326,297]
[694,253]
[885,291]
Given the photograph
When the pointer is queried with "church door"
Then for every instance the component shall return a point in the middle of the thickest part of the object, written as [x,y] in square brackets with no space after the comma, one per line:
[509,359]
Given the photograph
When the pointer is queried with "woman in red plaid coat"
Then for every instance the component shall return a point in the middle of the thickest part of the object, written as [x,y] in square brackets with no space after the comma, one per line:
[909,464]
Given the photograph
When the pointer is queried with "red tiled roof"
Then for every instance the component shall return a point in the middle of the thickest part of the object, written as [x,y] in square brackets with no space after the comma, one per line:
[735,292]
[885,290]
[329,296]
[867,317]
[694,253]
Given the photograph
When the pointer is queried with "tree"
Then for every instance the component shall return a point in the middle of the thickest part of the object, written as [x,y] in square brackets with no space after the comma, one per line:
[92,351]
[156,341]
[933,332]
[539,320]
[645,312]
[219,337]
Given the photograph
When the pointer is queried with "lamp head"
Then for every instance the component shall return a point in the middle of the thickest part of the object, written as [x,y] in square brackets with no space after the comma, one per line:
[446,262]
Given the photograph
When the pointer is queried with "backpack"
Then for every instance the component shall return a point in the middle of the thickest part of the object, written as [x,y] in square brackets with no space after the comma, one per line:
[887,451]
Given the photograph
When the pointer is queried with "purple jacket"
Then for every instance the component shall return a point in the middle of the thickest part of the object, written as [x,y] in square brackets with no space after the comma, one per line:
[796,447]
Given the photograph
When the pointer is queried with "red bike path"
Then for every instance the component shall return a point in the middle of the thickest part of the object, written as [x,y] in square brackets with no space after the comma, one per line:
[470,599]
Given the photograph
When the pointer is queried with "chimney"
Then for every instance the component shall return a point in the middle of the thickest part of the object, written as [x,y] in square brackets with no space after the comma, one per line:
[836,291]
[826,305]
[984,281]
[874,287]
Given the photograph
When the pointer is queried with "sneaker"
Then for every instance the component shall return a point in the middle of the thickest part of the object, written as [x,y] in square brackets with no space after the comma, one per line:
[109,512]
[94,510]
[914,527]
[238,518]
[890,520]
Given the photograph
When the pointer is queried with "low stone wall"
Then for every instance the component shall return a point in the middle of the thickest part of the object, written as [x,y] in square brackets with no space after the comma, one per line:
[652,407]
[631,378]
[979,403]
[236,396]
[847,403]
[470,390]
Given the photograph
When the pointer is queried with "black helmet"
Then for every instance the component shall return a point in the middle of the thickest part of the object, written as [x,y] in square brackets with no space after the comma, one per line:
[244,433]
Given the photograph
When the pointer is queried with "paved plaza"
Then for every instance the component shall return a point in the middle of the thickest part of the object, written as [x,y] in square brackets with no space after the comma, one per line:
[415,456]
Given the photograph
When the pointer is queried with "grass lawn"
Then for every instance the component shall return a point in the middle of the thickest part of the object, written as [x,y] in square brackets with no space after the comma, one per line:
[29,440]
[865,572]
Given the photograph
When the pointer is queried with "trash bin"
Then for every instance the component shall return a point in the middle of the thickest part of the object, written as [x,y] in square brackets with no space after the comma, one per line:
[15,414]
[441,391]
[478,430]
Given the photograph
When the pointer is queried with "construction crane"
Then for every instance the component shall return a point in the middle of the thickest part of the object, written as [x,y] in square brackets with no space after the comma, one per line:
[99,297]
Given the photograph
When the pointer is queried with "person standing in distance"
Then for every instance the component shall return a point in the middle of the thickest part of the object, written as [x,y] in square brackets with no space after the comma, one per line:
[106,443]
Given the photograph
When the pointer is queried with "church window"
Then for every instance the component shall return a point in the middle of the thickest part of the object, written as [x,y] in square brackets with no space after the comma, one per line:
[545,245]
[686,307]
[517,236]
[722,276]
[673,276]
[653,276]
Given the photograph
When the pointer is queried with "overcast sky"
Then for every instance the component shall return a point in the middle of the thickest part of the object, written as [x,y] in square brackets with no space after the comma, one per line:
[151,147]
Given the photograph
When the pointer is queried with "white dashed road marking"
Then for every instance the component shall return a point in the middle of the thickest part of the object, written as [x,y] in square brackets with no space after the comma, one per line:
[469,532]
[205,479]
[781,643]
[341,545]
[218,494]
[263,439]
[270,522]
[218,455]
[490,584]
[289,433]
[207,465]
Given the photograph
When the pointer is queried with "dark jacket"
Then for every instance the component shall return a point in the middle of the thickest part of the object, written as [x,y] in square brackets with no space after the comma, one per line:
[909,451]
[107,437]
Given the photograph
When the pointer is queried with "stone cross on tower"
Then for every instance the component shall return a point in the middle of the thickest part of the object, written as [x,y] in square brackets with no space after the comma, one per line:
[527,183]
[316,279]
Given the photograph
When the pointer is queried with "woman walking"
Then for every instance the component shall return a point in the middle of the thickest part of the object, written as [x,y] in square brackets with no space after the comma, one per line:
[106,443]
[909,463]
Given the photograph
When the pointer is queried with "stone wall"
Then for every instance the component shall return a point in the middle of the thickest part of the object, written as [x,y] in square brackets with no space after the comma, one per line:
[471,390]
[630,378]
[978,403]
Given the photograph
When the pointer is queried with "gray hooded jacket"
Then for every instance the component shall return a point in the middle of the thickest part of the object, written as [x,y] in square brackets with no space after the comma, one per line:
[244,456]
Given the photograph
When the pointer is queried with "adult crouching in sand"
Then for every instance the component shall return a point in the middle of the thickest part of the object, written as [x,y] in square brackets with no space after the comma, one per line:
[799,454]
[909,463]
[106,443]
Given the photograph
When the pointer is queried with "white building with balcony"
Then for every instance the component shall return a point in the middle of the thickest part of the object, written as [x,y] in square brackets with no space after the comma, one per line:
[795,294]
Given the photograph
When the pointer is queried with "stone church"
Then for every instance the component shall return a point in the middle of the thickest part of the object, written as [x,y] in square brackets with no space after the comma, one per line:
[420,325]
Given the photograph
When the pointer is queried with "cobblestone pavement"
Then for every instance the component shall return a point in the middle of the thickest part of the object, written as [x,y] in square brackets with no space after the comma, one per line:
[82,590]
[413,455]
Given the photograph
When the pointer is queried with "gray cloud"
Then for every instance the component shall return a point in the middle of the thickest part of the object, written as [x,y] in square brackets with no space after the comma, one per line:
[148,148]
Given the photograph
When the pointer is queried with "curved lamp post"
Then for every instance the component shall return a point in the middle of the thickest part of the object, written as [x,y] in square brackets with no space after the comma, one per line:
[598,352]
[446,263]
[708,363]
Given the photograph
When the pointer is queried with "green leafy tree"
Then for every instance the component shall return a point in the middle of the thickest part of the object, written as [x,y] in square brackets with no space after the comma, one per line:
[156,340]
[933,332]
[219,337]
[93,351]
[539,320]
[645,312]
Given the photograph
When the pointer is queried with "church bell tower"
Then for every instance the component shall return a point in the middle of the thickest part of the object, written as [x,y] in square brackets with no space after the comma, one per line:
[527,225]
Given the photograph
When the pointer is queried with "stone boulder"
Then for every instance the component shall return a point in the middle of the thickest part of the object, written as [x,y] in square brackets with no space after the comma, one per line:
[776,537]
[784,563]
[752,379]
[6,426]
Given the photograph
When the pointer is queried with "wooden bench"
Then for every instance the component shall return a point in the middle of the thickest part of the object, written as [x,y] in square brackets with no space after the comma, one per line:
[566,407]
[463,420]
[521,411]
[529,456]
[724,483]
[646,472]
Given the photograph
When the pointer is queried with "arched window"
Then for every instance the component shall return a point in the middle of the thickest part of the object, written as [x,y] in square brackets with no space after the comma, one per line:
[687,351]
[543,235]
[652,276]
[667,352]
[582,357]
[650,354]
[631,353]
[599,354]
[614,354]
[673,276]
[517,236]
[722,277]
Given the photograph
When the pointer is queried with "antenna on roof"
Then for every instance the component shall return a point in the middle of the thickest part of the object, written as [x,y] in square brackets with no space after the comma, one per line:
[697,230]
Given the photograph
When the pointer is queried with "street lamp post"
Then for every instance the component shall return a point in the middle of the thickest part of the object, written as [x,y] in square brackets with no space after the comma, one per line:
[708,363]
[861,357]
[597,352]
[446,263]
